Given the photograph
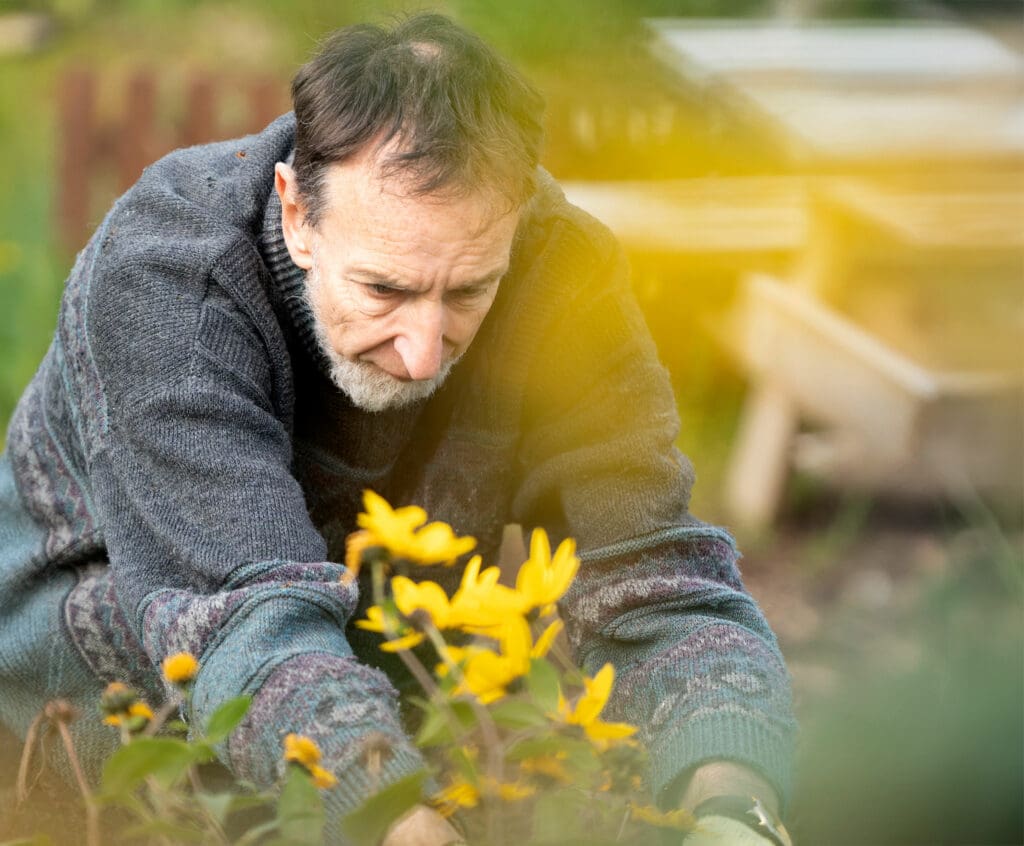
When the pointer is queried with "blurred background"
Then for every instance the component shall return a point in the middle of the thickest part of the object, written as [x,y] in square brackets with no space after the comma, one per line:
[823,203]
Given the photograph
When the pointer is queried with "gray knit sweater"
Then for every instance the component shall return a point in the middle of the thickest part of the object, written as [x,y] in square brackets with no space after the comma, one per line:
[180,475]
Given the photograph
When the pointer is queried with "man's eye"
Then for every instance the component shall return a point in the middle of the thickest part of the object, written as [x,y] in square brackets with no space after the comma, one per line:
[383,290]
[468,295]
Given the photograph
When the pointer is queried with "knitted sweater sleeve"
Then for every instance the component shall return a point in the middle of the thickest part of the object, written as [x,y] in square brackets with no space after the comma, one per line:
[211,549]
[658,592]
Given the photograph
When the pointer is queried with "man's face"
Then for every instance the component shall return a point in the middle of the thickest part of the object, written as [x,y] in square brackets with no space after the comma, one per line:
[398,285]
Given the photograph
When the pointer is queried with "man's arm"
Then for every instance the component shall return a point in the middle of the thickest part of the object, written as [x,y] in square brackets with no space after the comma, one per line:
[211,549]
[658,593]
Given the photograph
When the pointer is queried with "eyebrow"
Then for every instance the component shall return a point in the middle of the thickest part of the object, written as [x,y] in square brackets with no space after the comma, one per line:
[374,278]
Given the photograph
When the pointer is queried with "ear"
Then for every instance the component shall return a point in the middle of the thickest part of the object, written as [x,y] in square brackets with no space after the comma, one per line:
[293,217]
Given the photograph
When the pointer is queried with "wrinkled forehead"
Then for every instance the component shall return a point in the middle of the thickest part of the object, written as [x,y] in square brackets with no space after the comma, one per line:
[357,191]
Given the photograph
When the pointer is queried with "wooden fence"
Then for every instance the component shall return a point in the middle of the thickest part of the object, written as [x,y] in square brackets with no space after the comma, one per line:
[103,147]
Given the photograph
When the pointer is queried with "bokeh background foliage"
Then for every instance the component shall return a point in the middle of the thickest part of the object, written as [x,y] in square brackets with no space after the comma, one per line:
[901,621]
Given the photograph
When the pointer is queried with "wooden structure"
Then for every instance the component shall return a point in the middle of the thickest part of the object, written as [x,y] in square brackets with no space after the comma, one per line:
[102,153]
[732,217]
[910,139]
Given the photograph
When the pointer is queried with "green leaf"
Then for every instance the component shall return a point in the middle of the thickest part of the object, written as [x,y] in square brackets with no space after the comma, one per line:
[165,828]
[366,825]
[517,714]
[558,817]
[542,682]
[37,840]
[437,728]
[217,805]
[256,834]
[226,718]
[300,810]
[579,756]
[130,765]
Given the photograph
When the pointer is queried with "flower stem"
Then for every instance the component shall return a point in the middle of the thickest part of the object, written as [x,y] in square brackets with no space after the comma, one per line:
[92,811]
[377,573]
[492,741]
[22,787]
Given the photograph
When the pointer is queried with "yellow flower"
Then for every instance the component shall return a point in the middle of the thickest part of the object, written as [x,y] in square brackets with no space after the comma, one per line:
[117,698]
[302,750]
[551,765]
[135,718]
[463,794]
[486,672]
[402,533]
[481,603]
[596,691]
[542,579]
[322,778]
[400,636]
[180,668]
[510,791]
[681,819]
[411,597]
[459,794]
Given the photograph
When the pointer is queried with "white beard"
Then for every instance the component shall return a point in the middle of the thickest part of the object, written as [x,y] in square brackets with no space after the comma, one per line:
[369,387]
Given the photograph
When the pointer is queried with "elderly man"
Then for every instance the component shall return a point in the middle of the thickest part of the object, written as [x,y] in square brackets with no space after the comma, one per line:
[381,291]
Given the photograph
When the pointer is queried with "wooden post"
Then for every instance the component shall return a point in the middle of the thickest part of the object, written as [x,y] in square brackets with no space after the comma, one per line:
[76,156]
[200,112]
[136,135]
[264,103]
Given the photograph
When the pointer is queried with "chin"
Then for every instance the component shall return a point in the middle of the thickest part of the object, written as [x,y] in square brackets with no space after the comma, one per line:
[372,389]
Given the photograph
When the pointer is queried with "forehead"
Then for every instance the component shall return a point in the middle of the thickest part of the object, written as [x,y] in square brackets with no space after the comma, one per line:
[361,203]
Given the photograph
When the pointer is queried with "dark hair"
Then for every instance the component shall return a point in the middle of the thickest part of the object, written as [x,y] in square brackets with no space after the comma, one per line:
[461,116]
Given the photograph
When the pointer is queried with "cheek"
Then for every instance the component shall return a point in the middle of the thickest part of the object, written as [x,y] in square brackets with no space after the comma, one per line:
[463,326]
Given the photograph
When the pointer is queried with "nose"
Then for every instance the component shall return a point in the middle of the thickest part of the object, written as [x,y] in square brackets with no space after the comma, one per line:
[420,344]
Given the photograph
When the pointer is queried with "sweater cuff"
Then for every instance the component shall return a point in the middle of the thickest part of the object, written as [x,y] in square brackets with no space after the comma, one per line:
[722,737]
[346,708]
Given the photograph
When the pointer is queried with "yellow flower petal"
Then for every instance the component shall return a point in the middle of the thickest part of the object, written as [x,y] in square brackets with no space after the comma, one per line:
[600,731]
[302,750]
[679,819]
[513,791]
[595,696]
[322,778]
[550,765]
[542,580]
[458,794]
[413,596]
[546,640]
[375,621]
[481,603]
[355,545]
[399,644]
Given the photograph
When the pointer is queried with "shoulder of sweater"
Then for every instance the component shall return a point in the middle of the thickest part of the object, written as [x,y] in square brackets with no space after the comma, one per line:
[551,214]
[194,205]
